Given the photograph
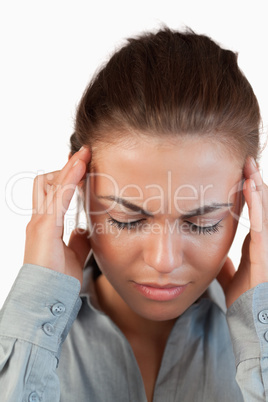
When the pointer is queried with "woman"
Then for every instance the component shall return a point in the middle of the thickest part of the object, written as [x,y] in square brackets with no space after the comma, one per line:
[164,156]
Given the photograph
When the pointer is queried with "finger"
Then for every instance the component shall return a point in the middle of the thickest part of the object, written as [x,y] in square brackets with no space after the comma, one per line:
[57,188]
[79,242]
[258,253]
[57,177]
[226,274]
[255,208]
[251,171]
[83,154]
[43,183]
[41,186]
[59,197]
[38,195]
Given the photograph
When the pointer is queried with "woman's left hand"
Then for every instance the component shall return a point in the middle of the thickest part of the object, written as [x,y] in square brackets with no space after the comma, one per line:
[253,267]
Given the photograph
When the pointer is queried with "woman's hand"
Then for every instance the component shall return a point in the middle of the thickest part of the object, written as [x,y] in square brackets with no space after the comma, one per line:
[52,194]
[253,267]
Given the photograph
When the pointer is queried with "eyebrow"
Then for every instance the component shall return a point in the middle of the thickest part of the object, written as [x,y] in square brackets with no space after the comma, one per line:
[126,204]
[205,209]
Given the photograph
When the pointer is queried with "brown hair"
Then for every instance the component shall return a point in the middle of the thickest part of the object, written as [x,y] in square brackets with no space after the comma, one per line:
[170,82]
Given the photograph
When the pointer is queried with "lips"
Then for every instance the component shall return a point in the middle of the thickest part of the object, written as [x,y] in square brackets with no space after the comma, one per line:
[157,292]
[158,286]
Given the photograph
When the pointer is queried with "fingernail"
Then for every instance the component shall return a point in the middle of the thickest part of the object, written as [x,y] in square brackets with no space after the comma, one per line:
[76,162]
[81,149]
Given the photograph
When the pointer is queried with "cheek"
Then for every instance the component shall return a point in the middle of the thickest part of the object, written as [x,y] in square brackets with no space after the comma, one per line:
[112,246]
[208,252]
[203,254]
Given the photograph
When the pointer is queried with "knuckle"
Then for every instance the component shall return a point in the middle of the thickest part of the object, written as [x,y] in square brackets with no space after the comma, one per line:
[45,178]
[39,177]
[31,231]
[29,228]
[38,226]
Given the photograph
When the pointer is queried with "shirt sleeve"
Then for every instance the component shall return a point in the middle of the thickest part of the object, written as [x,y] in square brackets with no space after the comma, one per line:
[34,322]
[247,318]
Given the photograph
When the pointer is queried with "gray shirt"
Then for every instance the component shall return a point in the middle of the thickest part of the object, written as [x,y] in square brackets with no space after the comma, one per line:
[57,345]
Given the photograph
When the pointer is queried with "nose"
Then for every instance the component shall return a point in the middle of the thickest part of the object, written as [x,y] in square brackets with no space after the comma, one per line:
[163,251]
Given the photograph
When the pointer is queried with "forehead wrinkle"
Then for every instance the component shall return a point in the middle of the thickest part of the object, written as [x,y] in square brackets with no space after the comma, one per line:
[126,203]
[205,209]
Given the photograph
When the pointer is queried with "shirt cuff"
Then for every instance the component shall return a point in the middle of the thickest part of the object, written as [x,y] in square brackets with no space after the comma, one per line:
[247,319]
[40,307]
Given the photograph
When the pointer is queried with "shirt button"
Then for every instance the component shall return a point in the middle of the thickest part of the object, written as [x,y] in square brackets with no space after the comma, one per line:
[58,309]
[33,397]
[48,329]
[266,336]
[263,316]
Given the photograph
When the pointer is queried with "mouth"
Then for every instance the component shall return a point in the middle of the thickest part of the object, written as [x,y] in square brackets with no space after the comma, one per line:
[158,292]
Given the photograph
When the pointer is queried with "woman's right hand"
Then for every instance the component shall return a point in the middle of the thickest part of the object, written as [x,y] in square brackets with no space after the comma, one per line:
[52,194]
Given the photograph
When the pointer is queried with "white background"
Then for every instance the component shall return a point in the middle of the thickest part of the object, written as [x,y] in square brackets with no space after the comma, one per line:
[49,51]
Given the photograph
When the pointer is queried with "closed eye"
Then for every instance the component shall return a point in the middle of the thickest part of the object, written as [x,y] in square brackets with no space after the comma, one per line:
[124,225]
[204,229]
[193,228]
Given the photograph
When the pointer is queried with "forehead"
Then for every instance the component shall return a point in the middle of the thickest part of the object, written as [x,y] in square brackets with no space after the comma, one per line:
[147,167]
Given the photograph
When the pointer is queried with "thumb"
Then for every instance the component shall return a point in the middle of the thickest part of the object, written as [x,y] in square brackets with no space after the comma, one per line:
[79,242]
[226,274]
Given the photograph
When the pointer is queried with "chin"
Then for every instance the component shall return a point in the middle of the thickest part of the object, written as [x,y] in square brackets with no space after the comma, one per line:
[159,311]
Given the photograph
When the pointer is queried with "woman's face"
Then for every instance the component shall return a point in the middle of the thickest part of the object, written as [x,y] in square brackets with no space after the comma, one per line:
[163,216]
